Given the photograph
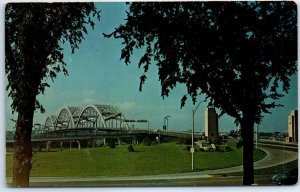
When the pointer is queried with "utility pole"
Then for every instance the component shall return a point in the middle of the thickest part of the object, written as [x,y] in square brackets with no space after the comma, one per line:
[256,135]
[192,149]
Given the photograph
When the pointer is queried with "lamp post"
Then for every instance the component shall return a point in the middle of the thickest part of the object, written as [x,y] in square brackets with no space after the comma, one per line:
[256,135]
[166,118]
[192,149]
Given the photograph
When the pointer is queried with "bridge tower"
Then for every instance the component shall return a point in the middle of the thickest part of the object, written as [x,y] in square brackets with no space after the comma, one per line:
[211,124]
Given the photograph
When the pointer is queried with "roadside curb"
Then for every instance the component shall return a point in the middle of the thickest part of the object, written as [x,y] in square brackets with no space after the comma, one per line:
[216,175]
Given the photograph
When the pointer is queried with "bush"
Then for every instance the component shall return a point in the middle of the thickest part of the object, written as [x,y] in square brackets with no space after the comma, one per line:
[130,148]
[223,148]
[184,141]
[100,144]
[147,141]
[218,141]
[239,144]
[187,148]
[111,143]
[227,148]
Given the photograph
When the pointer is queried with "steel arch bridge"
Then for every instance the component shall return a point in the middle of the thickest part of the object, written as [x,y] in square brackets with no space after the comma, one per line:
[90,116]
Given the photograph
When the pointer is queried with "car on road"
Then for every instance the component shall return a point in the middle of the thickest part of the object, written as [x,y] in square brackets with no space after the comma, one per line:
[287,176]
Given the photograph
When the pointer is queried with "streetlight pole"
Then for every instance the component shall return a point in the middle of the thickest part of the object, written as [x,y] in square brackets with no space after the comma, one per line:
[256,135]
[167,123]
[166,118]
[192,149]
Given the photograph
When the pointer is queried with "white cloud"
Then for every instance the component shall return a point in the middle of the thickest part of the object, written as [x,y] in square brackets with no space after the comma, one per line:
[127,106]
[88,101]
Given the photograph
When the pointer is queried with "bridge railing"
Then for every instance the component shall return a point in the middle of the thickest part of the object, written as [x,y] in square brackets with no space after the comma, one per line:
[175,133]
[92,132]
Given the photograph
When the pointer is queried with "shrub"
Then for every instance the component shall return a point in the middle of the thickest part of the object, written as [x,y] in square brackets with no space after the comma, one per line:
[223,148]
[100,144]
[130,148]
[218,141]
[187,148]
[239,144]
[227,148]
[184,141]
[147,141]
[111,143]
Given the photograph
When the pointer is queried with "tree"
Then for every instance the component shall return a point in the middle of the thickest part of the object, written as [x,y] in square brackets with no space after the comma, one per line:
[239,54]
[34,34]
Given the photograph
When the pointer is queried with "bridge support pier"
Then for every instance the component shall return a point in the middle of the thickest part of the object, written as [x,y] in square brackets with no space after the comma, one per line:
[93,143]
[135,141]
[158,138]
[79,147]
[104,141]
[40,146]
[48,147]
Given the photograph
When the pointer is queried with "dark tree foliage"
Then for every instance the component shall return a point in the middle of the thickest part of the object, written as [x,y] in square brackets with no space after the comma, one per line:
[239,54]
[34,33]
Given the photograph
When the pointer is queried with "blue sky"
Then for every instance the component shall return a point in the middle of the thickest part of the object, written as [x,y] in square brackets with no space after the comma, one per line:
[97,76]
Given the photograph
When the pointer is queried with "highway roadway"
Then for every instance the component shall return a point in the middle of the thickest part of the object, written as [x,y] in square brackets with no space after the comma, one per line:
[273,157]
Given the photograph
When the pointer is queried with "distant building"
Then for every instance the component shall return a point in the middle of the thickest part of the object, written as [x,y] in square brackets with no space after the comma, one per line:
[211,124]
[293,127]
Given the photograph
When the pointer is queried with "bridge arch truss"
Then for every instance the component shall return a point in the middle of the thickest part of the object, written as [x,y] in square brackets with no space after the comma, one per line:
[90,116]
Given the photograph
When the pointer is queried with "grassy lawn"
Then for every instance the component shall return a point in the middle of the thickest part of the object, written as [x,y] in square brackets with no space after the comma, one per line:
[103,161]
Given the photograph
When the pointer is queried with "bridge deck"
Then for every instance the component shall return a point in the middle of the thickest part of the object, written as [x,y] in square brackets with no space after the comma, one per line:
[92,133]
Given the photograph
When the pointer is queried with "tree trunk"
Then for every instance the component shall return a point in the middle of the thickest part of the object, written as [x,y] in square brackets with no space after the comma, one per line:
[22,149]
[248,165]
